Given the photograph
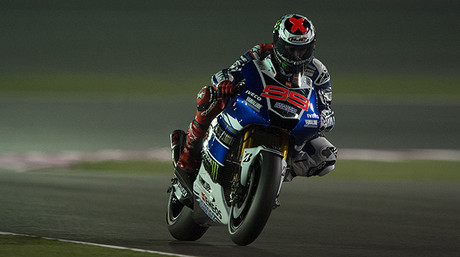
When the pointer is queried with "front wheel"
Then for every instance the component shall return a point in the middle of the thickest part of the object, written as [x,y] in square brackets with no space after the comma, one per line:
[180,222]
[250,213]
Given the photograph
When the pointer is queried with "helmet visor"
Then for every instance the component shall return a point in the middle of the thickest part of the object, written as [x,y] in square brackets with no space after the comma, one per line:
[294,54]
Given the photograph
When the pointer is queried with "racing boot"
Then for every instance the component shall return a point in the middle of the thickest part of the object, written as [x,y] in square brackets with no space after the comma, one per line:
[190,159]
[177,138]
[208,106]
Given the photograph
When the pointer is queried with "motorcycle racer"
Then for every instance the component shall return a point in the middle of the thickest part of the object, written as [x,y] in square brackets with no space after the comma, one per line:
[291,53]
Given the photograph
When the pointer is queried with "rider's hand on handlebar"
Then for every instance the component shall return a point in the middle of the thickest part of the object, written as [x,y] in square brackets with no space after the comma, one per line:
[226,88]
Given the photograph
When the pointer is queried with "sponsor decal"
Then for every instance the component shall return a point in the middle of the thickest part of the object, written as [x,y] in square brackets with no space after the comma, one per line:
[214,170]
[286,108]
[210,209]
[298,39]
[313,116]
[311,124]
[277,25]
[247,157]
[204,184]
[210,164]
[283,94]
[253,95]
[254,104]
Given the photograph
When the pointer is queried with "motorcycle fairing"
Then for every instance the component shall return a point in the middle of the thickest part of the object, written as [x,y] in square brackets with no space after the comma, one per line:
[210,198]
[210,195]
[265,102]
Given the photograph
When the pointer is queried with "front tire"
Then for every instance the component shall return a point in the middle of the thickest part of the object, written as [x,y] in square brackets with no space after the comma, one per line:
[250,214]
[180,221]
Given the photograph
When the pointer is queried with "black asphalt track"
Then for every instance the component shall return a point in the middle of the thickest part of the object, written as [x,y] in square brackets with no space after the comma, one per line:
[317,217]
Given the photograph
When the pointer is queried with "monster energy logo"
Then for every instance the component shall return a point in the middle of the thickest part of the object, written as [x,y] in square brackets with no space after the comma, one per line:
[211,166]
[283,65]
[214,170]
[277,25]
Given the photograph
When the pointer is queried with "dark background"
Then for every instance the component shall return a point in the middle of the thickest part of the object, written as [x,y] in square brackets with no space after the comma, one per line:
[189,37]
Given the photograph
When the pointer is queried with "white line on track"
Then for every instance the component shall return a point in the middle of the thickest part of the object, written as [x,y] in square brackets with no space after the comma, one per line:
[100,245]
[38,160]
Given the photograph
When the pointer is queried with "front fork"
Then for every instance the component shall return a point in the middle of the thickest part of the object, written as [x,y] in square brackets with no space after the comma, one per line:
[248,143]
[248,151]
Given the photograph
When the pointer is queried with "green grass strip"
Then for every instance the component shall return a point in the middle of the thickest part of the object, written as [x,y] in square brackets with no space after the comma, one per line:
[39,84]
[375,85]
[30,246]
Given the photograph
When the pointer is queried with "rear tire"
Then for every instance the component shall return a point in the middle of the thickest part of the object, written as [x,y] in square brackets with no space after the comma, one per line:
[180,221]
[249,216]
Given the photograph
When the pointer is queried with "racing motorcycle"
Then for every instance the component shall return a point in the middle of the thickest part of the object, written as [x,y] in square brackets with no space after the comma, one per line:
[245,157]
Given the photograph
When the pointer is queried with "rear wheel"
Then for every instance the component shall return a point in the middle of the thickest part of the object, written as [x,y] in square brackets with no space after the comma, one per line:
[180,222]
[249,214]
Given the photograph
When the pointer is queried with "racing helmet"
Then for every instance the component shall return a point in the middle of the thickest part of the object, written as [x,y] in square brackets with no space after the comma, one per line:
[293,43]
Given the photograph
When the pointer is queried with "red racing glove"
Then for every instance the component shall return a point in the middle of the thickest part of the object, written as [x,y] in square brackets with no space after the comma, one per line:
[226,88]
